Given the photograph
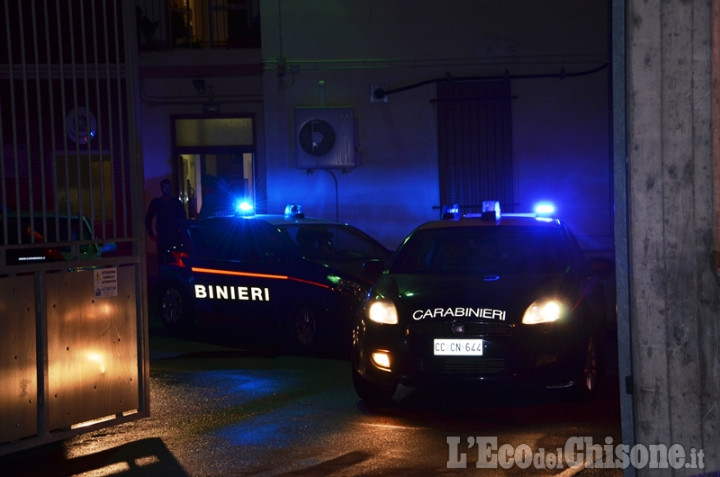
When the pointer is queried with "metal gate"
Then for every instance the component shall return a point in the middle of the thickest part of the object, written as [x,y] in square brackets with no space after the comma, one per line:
[73,328]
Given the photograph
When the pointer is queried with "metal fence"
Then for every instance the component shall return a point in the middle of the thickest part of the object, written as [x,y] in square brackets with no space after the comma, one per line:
[72,272]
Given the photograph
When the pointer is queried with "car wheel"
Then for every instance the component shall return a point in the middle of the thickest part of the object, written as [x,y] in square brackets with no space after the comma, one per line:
[174,308]
[372,392]
[304,328]
[587,382]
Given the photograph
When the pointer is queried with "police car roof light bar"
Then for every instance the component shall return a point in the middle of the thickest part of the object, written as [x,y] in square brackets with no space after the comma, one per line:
[294,211]
[450,212]
[491,210]
[544,209]
[244,207]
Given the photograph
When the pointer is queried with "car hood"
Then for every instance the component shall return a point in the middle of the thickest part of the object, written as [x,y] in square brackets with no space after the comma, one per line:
[503,297]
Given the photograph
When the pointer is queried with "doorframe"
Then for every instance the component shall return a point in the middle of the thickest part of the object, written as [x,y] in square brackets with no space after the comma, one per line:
[205,149]
[622,249]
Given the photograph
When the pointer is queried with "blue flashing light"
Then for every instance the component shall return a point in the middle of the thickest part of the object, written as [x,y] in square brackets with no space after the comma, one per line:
[294,211]
[544,209]
[491,210]
[450,212]
[244,207]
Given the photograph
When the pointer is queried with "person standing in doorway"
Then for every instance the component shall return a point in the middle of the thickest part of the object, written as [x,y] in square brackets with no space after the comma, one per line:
[169,218]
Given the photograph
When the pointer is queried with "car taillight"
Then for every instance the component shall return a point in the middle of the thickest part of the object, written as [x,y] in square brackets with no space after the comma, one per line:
[53,255]
[178,258]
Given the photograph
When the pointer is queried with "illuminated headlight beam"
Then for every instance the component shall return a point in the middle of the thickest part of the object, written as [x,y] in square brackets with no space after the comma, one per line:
[544,311]
[382,311]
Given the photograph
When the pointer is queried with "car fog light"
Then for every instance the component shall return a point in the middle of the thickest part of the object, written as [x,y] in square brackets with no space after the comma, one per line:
[381,359]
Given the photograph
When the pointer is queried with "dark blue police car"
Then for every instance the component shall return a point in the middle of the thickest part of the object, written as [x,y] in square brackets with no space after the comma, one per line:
[299,275]
[486,298]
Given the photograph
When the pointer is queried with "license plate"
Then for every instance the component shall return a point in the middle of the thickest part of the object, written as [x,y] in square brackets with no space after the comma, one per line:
[457,347]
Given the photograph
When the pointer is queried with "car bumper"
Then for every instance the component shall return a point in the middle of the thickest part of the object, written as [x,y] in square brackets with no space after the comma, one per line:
[538,356]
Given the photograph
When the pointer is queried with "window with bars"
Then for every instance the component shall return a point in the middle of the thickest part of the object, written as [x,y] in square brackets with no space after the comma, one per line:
[475,143]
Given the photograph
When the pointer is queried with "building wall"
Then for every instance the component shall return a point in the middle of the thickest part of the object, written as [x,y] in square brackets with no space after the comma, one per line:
[673,286]
[331,53]
[232,83]
[322,53]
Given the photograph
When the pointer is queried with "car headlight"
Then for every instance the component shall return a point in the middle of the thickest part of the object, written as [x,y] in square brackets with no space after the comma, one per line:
[546,310]
[382,311]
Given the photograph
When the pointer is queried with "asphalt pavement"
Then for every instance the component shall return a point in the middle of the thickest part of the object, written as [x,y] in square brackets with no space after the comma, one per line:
[227,403]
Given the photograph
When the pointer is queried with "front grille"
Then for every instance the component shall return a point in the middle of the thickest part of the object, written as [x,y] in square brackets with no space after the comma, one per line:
[475,328]
[465,365]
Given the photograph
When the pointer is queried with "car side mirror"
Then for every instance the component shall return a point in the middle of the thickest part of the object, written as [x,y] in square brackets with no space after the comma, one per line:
[374,267]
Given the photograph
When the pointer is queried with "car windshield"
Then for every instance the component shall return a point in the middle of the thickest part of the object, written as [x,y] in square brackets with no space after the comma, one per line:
[484,249]
[333,242]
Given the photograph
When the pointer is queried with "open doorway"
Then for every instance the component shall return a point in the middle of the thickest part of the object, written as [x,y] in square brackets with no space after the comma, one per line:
[210,183]
[214,163]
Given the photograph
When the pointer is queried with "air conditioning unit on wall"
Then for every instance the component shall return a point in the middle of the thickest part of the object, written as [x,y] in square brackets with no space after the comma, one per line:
[325,138]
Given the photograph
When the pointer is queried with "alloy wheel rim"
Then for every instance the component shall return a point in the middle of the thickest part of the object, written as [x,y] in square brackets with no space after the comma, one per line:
[305,327]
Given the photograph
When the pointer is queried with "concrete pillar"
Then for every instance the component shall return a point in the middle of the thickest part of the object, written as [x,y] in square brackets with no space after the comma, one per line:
[673,289]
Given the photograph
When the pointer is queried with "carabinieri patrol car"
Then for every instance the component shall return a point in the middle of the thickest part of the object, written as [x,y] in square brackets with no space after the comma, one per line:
[301,276]
[506,299]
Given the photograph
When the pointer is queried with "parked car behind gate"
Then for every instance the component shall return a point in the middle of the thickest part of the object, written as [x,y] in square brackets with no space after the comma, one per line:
[45,237]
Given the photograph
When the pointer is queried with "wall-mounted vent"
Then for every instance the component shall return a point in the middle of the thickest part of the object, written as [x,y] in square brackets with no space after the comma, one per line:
[325,138]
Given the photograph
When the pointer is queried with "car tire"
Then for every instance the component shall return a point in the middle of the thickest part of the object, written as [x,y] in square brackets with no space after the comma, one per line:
[174,308]
[586,384]
[304,328]
[377,393]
